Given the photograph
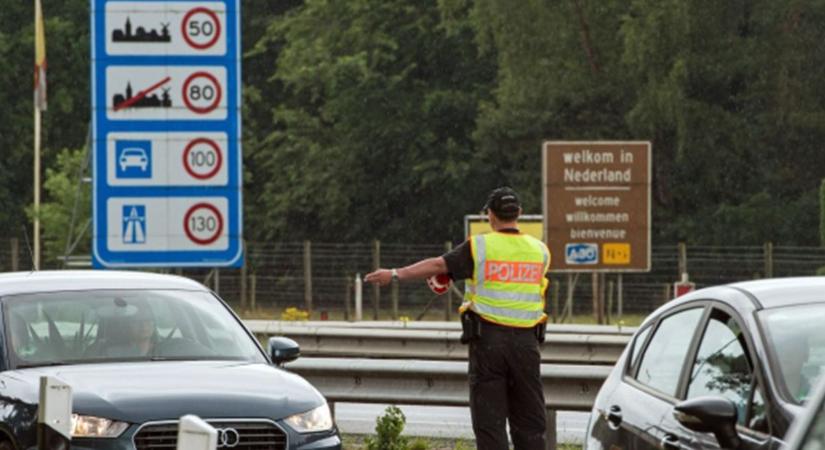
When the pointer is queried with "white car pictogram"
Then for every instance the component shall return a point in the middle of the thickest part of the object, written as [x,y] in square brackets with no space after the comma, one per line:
[134,157]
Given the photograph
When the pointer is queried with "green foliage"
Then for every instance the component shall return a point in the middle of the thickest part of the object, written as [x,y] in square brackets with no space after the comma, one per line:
[372,136]
[822,213]
[392,119]
[388,431]
[66,212]
[723,90]
[553,84]
[418,444]
[65,123]
[461,446]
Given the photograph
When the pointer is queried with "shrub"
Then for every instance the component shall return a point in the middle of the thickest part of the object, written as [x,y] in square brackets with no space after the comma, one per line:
[388,430]
[418,444]
[293,314]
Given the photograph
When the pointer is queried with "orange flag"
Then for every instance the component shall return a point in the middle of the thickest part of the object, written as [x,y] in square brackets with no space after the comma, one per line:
[39,58]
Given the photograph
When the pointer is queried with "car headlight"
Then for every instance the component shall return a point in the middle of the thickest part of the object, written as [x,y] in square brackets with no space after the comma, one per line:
[96,427]
[319,419]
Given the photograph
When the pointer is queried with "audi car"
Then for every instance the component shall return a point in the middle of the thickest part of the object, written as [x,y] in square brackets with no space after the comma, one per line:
[140,351]
[723,367]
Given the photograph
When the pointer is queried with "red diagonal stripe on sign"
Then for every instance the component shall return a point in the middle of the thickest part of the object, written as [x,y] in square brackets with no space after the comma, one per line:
[140,95]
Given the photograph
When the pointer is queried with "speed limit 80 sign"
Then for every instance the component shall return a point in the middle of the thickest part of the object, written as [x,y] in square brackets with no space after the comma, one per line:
[164,93]
[167,143]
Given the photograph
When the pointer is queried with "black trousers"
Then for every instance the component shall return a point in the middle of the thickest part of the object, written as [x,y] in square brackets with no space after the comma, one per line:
[505,385]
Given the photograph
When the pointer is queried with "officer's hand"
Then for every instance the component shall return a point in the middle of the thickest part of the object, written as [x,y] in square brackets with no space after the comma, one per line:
[381,277]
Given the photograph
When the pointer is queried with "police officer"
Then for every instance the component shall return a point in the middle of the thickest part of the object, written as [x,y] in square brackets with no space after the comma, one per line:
[503,321]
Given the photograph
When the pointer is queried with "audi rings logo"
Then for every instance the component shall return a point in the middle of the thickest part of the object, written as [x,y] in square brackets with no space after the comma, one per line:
[228,437]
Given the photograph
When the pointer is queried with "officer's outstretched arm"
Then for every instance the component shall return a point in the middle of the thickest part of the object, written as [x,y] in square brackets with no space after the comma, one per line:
[418,271]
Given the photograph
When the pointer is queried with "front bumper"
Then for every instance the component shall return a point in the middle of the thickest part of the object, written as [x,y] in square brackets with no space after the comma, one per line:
[328,440]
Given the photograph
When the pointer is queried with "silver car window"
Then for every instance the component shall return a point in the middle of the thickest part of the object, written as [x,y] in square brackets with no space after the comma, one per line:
[662,361]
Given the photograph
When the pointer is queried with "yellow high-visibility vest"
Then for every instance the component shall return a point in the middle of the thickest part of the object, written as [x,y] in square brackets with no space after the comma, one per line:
[508,283]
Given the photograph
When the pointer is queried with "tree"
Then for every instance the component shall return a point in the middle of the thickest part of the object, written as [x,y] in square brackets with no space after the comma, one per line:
[822,213]
[66,216]
[559,77]
[710,79]
[372,137]
[65,124]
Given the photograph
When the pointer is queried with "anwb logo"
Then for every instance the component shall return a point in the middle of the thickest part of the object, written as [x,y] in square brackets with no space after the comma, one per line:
[581,253]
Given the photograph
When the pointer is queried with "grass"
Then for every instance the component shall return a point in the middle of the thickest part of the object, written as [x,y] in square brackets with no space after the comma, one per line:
[356,442]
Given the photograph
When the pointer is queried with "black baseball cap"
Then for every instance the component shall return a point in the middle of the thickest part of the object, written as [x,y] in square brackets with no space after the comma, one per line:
[503,202]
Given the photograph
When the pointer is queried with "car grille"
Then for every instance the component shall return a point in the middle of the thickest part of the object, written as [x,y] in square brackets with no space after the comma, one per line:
[250,436]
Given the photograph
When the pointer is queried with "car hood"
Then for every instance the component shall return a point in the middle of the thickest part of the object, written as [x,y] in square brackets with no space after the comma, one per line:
[164,390]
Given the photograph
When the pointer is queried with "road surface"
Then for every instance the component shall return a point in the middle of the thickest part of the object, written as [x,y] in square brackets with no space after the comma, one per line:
[442,421]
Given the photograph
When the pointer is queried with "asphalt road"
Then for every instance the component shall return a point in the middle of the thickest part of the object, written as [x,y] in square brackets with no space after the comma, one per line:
[442,421]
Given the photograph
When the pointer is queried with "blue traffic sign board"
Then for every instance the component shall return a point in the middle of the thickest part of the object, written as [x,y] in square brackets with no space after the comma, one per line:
[166,133]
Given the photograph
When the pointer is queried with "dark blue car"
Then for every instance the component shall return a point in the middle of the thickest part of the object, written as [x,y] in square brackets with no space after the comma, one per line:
[139,351]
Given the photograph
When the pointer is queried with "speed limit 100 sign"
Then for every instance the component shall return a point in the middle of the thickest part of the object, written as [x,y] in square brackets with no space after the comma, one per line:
[202,158]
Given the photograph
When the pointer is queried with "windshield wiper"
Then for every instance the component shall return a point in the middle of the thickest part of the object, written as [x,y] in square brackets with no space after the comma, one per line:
[194,358]
[42,364]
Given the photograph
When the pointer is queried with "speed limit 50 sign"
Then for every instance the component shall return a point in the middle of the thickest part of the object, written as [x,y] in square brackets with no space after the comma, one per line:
[166,125]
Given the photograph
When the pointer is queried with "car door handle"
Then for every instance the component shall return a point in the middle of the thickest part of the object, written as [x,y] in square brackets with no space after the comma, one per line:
[670,442]
[614,416]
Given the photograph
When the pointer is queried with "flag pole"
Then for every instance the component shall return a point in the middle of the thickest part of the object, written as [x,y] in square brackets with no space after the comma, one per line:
[36,252]
[39,106]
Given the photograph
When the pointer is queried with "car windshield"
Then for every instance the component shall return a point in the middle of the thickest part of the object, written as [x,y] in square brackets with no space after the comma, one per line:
[797,337]
[122,325]
[814,438]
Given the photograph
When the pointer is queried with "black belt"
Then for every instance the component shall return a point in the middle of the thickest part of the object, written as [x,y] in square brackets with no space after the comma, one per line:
[498,328]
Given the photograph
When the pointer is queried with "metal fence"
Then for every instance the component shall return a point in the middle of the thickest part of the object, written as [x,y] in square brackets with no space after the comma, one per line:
[320,276]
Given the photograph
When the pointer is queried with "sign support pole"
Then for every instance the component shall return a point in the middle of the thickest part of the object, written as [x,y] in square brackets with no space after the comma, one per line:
[195,434]
[594,284]
[448,301]
[619,297]
[54,421]
[359,297]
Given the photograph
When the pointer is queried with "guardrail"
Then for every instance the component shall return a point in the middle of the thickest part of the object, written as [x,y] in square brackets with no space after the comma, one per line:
[431,344]
[552,328]
[440,383]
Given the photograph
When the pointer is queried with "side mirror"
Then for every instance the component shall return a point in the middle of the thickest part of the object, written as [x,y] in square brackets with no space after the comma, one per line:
[283,350]
[710,414]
